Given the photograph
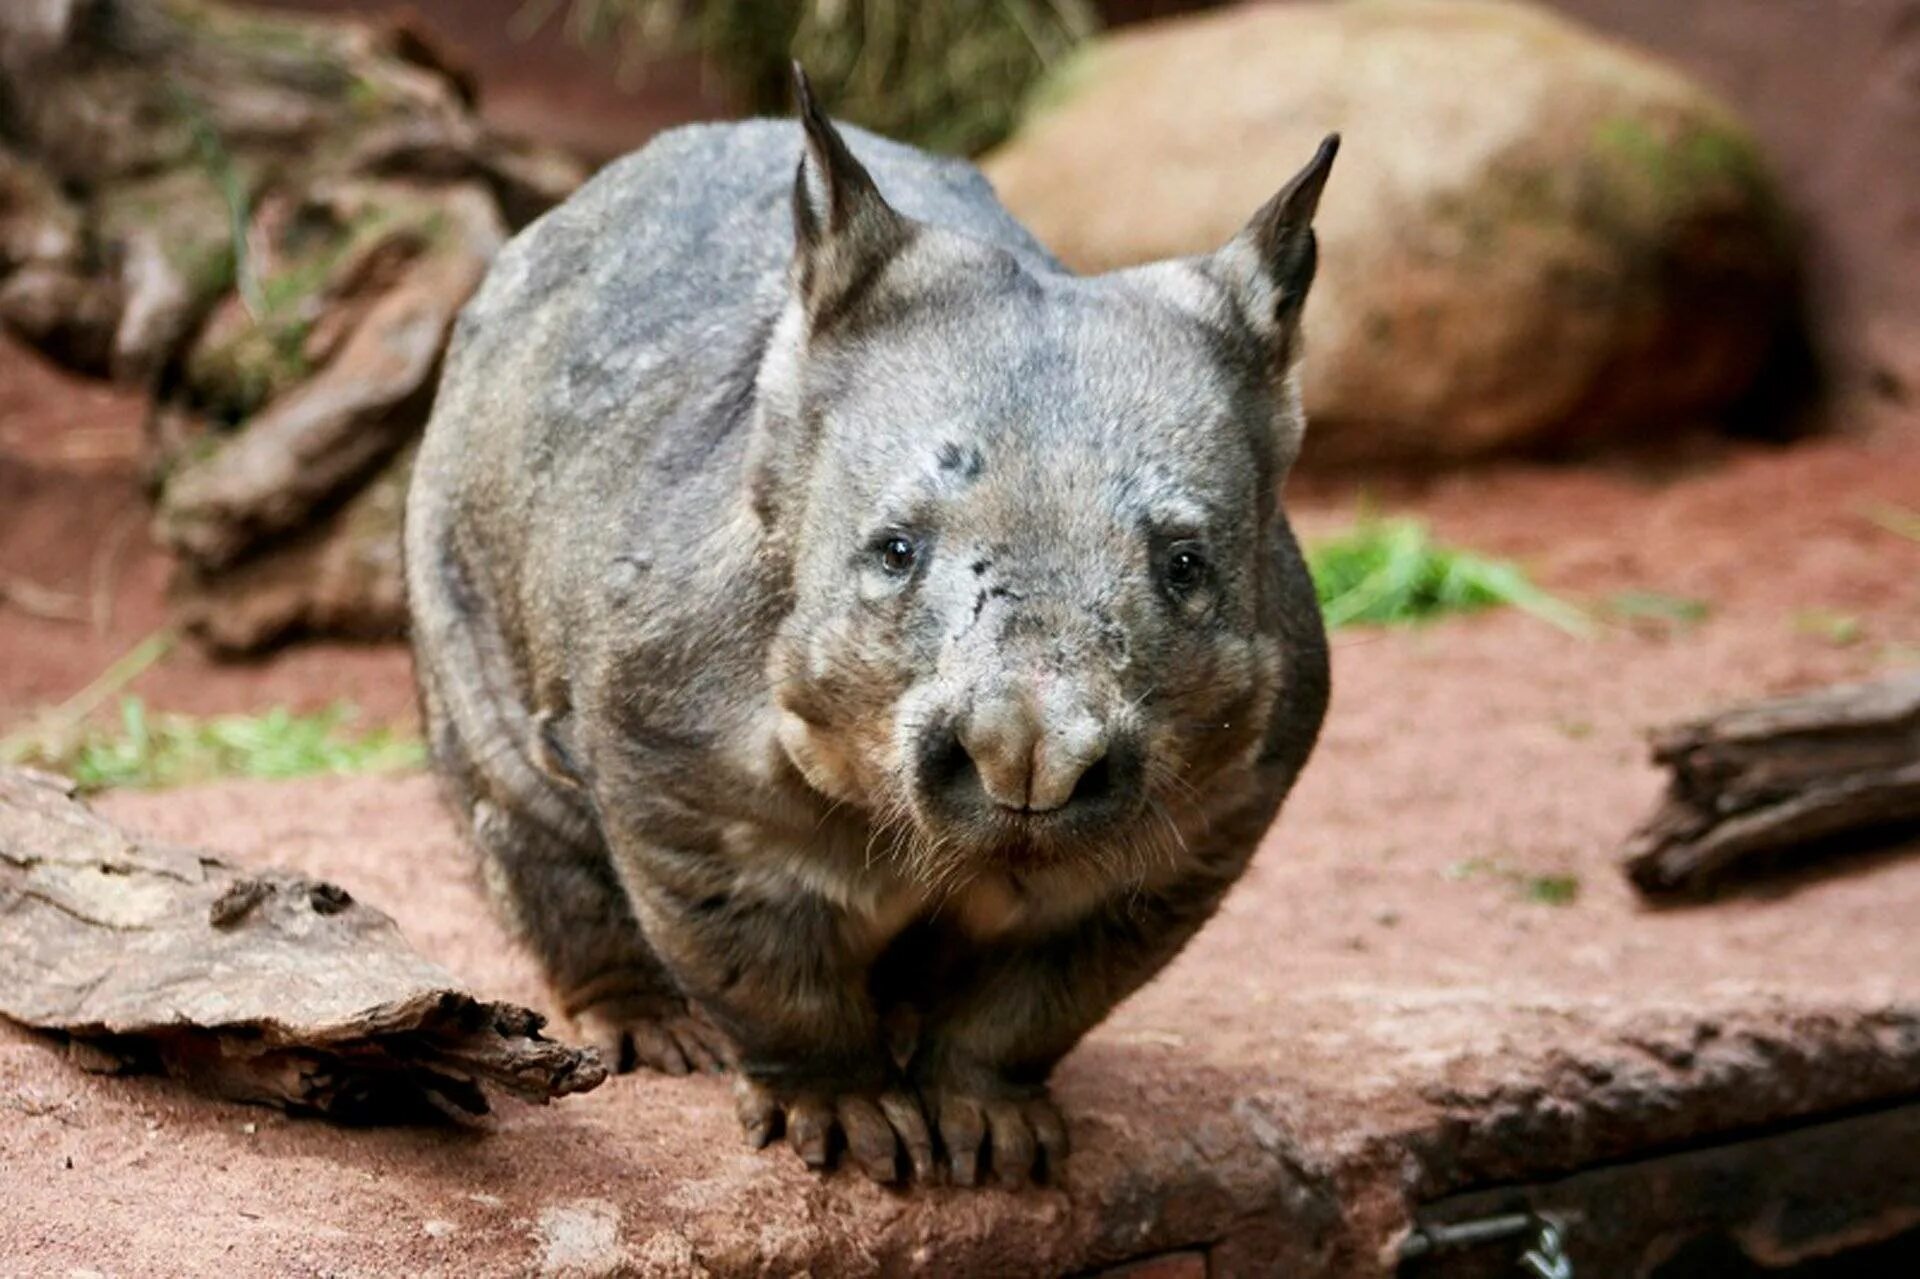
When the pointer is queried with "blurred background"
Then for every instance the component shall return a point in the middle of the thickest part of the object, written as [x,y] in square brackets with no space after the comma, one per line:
[1592,231]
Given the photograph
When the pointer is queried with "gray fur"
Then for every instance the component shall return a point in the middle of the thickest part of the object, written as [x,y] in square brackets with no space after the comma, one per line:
[748,791]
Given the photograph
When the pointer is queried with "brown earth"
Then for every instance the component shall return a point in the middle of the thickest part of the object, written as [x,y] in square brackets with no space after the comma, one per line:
[74,526]
[1383,1012]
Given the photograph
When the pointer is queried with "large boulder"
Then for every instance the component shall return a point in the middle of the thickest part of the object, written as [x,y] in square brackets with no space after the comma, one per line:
[1534,239]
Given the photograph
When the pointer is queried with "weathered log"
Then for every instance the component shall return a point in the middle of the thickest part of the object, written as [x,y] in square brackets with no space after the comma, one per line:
[334,429]
[1775,777]
[339,576]
[262,986]
[270,220]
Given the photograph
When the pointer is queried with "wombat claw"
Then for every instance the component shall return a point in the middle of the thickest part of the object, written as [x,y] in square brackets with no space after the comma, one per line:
[1025,1138]
[672,1041]
[875,1127]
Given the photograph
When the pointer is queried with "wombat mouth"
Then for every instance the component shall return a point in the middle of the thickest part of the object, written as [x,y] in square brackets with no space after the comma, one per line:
[1027,840]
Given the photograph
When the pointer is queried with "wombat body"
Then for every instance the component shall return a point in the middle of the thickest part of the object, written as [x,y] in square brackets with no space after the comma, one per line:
[864,651]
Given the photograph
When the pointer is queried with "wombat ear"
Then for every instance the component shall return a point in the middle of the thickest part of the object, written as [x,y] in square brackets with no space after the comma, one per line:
[1272,261]
[843,230]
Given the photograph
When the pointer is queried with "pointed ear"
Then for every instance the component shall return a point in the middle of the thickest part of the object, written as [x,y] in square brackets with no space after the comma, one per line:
[1270,264]
[844,232]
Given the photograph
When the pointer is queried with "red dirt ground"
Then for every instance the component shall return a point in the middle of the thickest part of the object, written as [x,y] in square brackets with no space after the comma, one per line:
[73,522]
[1378,958]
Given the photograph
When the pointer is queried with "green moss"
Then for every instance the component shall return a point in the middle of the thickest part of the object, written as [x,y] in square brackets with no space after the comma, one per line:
[1551,890]
[285,290]
[207,268]
[1631,140]
[266,355]
[236,379]
[364,97]
[1676,167]
[307,44]
[1710,153]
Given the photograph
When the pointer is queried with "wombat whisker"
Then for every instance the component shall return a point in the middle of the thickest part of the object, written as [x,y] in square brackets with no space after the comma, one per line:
[827,813]
[1173,828]
[1165,776]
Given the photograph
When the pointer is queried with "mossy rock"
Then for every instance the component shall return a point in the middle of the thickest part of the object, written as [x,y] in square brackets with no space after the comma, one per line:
[281,326]
[1534,237]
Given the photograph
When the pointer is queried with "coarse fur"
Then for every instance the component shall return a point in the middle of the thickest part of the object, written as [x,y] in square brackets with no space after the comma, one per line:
[863,650]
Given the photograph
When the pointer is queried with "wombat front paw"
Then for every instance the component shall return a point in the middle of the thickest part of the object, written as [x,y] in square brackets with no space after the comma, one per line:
[876,1126]
[664,1035]
[1023,1136]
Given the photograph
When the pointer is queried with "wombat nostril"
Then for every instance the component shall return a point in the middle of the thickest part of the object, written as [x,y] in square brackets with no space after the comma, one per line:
[944,769]
[1095,786]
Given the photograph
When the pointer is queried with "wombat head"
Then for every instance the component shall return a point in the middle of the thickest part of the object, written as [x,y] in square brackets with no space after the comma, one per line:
[1030,523]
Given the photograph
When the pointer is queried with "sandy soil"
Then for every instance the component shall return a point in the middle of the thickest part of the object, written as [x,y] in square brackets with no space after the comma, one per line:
[1380,962]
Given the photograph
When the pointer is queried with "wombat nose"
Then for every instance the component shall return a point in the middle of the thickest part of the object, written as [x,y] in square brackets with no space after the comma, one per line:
[1034,760]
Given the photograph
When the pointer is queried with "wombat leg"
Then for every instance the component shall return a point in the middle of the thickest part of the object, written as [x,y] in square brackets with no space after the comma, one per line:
[785,976]
[993,1031]
[563,898]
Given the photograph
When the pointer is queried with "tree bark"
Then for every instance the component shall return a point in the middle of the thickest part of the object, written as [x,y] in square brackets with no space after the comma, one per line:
[1774,777]
[261,986]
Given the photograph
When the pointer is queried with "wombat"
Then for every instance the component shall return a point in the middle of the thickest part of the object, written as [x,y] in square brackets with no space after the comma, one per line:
[863,650]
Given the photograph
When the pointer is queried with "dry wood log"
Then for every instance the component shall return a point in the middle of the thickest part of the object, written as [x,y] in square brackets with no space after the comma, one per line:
[260,986]
[1776,777]
[332,431]
[341,576]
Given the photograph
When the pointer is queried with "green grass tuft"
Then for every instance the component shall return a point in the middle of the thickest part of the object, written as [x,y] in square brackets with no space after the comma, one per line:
[152,751]
[1841,630]
[1655,611]
[1542,890]
[1388,572]
[1551,890]
[1897,520]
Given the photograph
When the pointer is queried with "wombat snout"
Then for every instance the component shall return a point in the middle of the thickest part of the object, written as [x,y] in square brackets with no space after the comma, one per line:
[1015,755]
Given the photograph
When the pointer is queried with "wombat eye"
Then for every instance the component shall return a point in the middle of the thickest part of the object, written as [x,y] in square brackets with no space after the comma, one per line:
[897,553]
[1186,568]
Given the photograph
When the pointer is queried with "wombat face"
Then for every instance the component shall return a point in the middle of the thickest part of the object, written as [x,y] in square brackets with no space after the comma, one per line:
[1028,520]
